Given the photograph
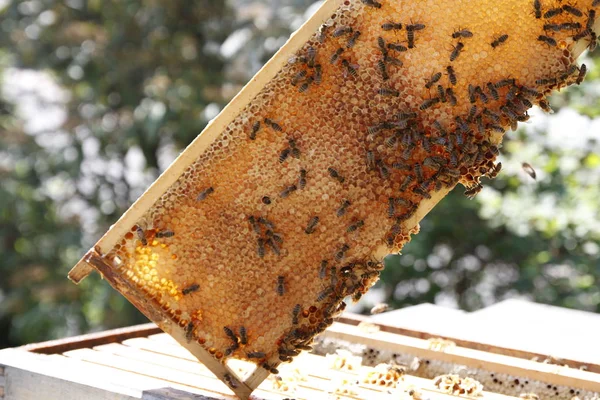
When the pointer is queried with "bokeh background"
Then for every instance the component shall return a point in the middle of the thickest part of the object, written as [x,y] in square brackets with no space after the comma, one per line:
[97,98]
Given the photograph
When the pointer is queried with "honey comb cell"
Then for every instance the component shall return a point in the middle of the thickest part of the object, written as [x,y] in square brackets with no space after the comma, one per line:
[385,108]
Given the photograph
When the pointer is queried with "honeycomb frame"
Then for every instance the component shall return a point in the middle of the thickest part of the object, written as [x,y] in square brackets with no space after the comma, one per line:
[136,234]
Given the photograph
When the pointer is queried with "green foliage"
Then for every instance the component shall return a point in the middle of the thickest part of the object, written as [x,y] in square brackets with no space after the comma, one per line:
[109,91]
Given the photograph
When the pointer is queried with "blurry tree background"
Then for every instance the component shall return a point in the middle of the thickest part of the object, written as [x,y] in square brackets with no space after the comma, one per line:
[97,97]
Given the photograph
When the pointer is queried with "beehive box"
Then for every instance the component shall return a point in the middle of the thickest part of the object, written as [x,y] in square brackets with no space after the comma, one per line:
[351,360]
[249,243]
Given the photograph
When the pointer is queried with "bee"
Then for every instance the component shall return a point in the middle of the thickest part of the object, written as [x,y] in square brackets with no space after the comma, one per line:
[270,368]
[280,285]
[537,6]
[456,51]
[352,40]
[323,269]
[529,91]
[381,44]
[383,70]
[410,36]
[285,153]
[494,171]
[480,125]
[260,247]
[473,191]
[287,191]
[254,225]
[324,293]
[553,27]
[493,91]
[415,27]
[492,115]
[421,192]
[526,102]
[349,68]
[434,162]
[553,12]
[429,103]
[546,81]
[547,39]
[189,331]
[393,61]
[274,247]
[462,33]
[451,74]
[408,151]
[472,97]
[304,87]
[472,112]
[371,3]
[141,236]
[451,96]
[355,226]
[165,234]
[497,128]
[256,354]
[298,77]
[231,381]
[255,128]
[529,170]
[342,30]
[482,95]
[397,47]
[407,115]
[190,289]
[318,74]
[441,93]
[390,142]
[312,54]
[333,275]
[391,207]
[545,106]
[312,224]
[370,159]
[322,33]
[205,193]
[581,75]
[388,92]
[302,179]
[388,26]
[379,308]
[434,78]
[499,40]
[508,112]
[294,150]
[343,208]
[274,125]
[335,56]
[383,170]
[590,21]
[266,200]
[440,128]
[342,252]
[407,181]
[295,313]
[230,334]
[335,175]
[505,82]
[243,335]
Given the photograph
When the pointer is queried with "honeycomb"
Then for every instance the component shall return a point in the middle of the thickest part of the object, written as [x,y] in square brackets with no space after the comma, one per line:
[386,107]
[454,384]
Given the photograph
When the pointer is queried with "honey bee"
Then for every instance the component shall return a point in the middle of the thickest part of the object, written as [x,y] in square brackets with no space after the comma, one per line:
[383,170]
[462,33]
[480,125]
[275,126]
[428,103]
[165,234]
[205,193]
[323,269]
[451,74]
[472,112]
[388,92]
[342,30]
[312,224]
[434,78]
[391,207]
[335,56]
[343,208]
[230,334]
[349,68]
[441,93]
[451,96]
[494,171]
[231,381]
[333,275]
[271,243]
[352,40]
[508,112]
[270,368]
[243,335]
[415,27]
[497,128]
[408,151]
[142,235]
[256,354]
[389,143]
[335,175]
[553,12]
[284,154]
[312,54]
[581,75]
[397,47]
[421,192]
[493,91]
[261,247]
[342,252]
[304,87]
[394,61]
[410,37]
[371,3]
[473,191]
[295,313]
[499,40]
[255,128]
[324,293]
[383,70]
[456,51]
[322,33]
[298,77]
[379,308]
[189,331]
[547,39]
[401,166]
[537,6]
[529,170]
[492,115]
[590,21]
[253,224]
[190,289]
[318,74]
[287,191]
[302,179]
[280,285]
[482,95]
[388,26]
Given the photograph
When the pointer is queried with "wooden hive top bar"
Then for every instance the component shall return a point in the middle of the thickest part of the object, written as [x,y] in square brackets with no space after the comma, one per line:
[248,244]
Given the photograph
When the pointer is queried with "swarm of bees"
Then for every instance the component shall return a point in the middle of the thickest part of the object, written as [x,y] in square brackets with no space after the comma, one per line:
[288,213]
